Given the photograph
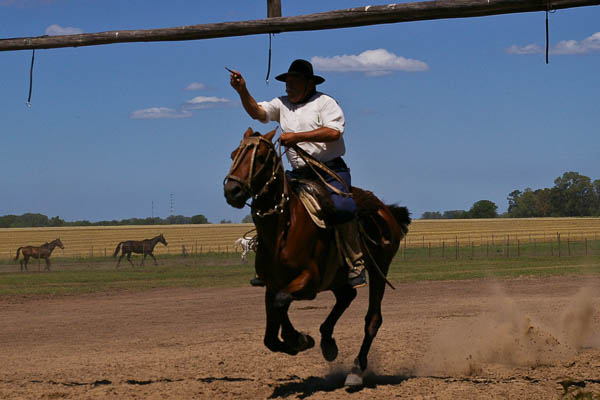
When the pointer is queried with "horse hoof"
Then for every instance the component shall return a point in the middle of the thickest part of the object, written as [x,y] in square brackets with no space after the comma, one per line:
[353,379]
[305,342]
[329,349]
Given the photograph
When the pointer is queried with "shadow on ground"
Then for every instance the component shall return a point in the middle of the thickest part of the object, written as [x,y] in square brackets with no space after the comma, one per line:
[303,388]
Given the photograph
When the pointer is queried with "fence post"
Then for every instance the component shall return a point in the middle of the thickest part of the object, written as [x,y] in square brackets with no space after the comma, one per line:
[518,248]
[456,239]
[558,240]
[443,249]
[507,246]
[586,253]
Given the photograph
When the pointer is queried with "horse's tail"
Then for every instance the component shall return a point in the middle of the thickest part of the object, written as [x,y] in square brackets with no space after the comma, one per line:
[117,249]
[402,217]
[18,251]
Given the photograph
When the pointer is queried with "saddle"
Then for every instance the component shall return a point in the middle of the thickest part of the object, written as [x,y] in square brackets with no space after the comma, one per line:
[319,205]
[316,200]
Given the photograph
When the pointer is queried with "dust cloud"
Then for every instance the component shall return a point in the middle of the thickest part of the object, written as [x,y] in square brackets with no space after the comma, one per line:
[506,335]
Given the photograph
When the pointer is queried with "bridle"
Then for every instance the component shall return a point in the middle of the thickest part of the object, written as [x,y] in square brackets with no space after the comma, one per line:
[250,144]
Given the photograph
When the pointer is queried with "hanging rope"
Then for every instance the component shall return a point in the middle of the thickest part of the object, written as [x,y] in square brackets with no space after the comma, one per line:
[30,78]
[548,11]
[547,36]
[269,63]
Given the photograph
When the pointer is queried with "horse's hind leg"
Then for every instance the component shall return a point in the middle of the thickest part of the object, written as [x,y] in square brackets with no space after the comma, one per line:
[373,321]
[129,259]
[344,297]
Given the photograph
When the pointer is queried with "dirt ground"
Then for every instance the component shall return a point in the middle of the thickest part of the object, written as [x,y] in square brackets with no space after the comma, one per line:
[508,339]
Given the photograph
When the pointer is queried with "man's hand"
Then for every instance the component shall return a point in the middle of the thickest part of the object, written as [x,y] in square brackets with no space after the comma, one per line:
[237,81]
[288,139]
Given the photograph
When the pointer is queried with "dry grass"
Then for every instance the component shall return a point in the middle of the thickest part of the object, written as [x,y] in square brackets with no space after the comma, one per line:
[497,230]
[98,241]
[101,240]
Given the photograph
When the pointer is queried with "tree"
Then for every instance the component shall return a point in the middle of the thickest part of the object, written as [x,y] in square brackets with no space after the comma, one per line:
[431,215]
[455,214]
[573,195]
[225,221]
[483,209]
[247,219]
[199,219]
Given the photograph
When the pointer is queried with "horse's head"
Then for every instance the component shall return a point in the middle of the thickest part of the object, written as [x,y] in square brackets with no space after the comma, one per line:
[162,239]
[254,164]
[59,243]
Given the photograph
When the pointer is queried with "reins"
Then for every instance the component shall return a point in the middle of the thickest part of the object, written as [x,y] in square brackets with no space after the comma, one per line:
[313,163]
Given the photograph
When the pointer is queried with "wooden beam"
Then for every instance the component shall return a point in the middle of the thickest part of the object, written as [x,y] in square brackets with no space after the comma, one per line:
[352,17]
[273,8]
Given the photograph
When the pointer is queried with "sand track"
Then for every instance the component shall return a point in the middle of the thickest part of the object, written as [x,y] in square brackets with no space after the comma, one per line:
[509,339]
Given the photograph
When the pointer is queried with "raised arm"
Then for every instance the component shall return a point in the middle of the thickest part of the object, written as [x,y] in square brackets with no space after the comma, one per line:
[253,109]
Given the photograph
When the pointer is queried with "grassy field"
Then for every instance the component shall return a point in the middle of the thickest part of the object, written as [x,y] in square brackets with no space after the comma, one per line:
[208,238]
[73,276]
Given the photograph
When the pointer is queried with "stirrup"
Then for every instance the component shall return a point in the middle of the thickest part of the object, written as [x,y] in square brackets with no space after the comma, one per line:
[359,280]
[256,282]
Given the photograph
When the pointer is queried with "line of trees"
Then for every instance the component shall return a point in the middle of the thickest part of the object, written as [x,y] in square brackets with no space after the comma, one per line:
[573,195]
[30,220]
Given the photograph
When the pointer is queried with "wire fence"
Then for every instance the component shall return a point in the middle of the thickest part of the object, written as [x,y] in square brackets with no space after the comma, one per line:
[558,245]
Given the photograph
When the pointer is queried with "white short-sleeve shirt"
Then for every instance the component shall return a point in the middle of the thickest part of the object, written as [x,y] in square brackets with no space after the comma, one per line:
[319,111]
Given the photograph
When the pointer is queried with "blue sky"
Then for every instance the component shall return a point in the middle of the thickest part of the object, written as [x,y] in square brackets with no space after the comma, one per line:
[439,114]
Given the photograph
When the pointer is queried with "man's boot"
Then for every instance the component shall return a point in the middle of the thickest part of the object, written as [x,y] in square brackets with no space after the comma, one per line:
[349,240]
[256,281]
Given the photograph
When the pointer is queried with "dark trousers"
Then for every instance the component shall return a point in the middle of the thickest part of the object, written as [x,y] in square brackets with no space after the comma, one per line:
[345,207]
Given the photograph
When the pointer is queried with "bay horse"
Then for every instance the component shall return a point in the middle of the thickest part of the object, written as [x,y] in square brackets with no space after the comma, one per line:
[44,251]
[294,257]
[145,247]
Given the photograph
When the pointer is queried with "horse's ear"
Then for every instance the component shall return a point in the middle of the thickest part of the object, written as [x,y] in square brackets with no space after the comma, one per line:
[248,132]
[270,135]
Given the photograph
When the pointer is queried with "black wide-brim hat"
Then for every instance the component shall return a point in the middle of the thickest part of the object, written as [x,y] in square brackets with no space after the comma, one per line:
[301,68]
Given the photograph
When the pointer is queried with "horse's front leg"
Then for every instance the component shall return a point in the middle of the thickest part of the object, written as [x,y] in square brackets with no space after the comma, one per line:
[274,319]
[299,287]
[343,298]
[47,264]
[154,258]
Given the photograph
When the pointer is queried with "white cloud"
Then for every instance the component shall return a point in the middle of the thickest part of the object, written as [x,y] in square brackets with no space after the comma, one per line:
[587,45]
[158,113]
[203,102]
[371,62]
[528,49]
[57,30]
[196,86]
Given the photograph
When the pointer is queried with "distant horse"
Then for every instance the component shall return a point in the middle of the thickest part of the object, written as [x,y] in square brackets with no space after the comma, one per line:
[145,247]
[296,259]
[247,245]
[44,251]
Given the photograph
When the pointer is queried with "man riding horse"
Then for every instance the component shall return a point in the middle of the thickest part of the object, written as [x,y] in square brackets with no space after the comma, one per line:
[313,122]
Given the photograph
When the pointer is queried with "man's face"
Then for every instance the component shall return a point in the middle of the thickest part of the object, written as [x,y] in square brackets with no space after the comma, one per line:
[296,87]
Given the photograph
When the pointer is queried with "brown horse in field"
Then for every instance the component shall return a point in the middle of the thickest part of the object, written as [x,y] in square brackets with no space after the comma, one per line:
[44,251]
[145,247]
[296,259]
